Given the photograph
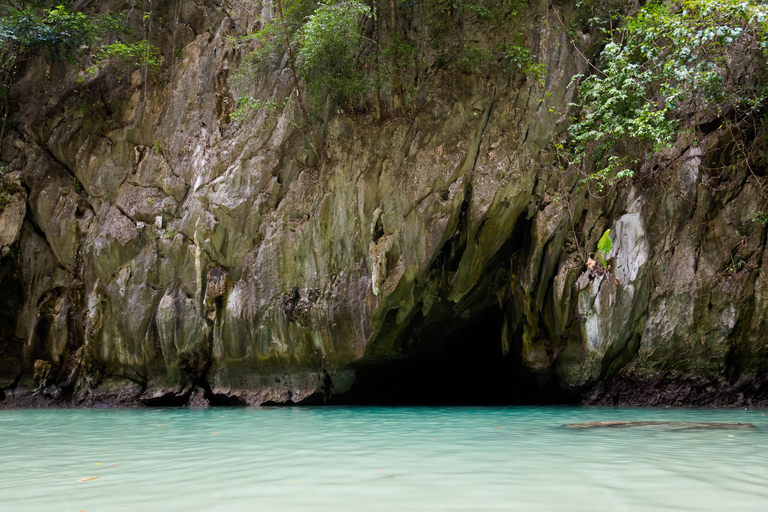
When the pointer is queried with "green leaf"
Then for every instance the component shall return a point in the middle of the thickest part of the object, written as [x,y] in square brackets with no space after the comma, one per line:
[605,243]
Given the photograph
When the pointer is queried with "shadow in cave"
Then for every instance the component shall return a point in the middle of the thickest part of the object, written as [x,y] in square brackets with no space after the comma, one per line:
[464,367]
[11,301]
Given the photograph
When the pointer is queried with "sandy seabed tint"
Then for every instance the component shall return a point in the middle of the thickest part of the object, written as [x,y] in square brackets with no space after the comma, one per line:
[379,458]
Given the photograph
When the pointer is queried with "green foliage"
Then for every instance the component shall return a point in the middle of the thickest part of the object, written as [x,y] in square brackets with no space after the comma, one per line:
[605,244]
[736,266]
[328,43]
[113,23]
[619,107]
[602,14]
[603,248]
[669,61]
[761,217]
[469,58]
[330,37]
[330,50]
[266,46]
[140,53]
[444,18]
[520,58]
[59,30]
[246,104]
[400,55]
[258,50]
[362,54]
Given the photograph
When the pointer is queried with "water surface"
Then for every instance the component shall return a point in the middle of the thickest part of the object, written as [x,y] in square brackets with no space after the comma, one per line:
[378,458]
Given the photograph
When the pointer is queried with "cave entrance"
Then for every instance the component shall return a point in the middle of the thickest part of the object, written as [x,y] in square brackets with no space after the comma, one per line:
[453,365]
[11,301]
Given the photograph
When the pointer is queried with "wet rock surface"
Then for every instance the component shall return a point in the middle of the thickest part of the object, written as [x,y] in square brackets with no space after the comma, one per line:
[661,425]
[169,255]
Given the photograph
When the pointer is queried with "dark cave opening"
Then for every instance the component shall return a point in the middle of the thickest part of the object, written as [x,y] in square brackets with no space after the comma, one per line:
[466,367]
[11,301]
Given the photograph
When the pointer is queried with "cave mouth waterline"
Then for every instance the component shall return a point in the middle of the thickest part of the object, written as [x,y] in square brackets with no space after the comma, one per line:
[464,366]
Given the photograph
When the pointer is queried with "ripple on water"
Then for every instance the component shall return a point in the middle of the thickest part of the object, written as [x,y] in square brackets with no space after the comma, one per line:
[379,458]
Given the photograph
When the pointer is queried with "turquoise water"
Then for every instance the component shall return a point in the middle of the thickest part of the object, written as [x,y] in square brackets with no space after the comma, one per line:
[378,458]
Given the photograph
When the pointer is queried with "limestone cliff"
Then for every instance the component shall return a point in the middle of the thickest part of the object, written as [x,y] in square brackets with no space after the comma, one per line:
[158,251]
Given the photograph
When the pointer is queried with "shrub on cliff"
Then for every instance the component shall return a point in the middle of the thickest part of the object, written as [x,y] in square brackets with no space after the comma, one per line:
[60,33]
[670,66]
[366,54]
[329,47]
[59,30]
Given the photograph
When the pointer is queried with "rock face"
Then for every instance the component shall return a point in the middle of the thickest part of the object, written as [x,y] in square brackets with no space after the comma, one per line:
[167,254]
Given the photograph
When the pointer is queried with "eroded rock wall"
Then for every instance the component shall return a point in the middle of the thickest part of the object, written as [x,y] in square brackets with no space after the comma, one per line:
[170,255]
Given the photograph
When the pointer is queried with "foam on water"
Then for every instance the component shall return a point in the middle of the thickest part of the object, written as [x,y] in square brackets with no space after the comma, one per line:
[376,458]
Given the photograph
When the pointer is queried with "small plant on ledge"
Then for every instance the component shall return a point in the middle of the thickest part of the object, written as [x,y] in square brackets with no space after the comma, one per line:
[603,248]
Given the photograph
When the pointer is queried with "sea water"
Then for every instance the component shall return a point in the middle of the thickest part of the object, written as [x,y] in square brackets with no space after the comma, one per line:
[379,458]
